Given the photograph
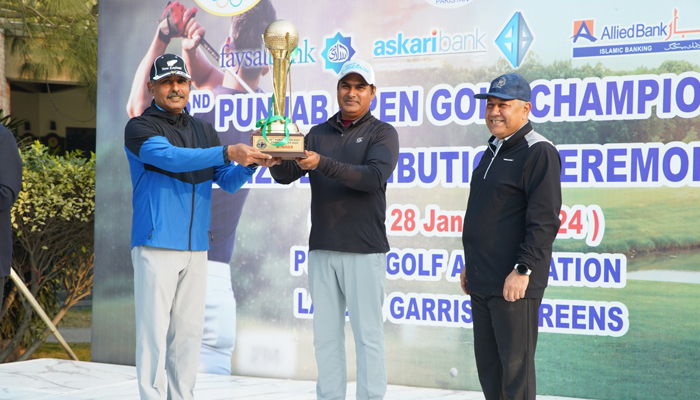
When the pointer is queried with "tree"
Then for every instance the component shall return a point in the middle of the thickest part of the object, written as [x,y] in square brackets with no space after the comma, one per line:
[53,37]
[53,222]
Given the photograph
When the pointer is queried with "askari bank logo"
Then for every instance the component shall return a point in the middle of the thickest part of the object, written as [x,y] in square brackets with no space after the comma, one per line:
[226,7]
[634,38]
[338,50]
[436,43]
[515,39]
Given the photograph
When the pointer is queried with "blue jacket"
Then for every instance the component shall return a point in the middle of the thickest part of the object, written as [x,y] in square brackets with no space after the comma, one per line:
[173,160]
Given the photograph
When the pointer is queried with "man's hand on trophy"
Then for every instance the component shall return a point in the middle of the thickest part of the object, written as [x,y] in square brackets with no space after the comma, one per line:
[269,162]
[246,155]
[310,162]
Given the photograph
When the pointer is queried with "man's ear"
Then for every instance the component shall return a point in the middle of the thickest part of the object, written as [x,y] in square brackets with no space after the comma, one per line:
[264,71]
[151,88]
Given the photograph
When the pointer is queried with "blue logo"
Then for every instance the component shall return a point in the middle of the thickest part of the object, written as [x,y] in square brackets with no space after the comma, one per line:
[338,50]
[437,43]
[515,39]
[583,29]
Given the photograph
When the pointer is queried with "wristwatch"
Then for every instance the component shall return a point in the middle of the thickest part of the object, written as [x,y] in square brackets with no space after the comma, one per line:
[522,269]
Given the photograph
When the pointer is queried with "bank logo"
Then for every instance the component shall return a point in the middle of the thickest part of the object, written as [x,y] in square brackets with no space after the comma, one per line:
[436,43]
[256,58]
[583,29]
[448,3]
[515,39]
[226,7]
[635,38]
[338,50]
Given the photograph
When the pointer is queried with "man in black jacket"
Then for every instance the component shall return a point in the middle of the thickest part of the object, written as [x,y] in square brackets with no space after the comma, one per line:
[349,159]
[10,185]
[510,224]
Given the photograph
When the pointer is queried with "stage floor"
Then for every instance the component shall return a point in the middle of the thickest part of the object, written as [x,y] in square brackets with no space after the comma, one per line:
[45,379]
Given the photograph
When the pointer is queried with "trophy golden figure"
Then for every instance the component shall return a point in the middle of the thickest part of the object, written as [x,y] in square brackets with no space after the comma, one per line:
[279,136]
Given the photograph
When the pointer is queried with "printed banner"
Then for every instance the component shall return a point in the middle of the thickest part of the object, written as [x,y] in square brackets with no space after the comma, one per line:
[615,86]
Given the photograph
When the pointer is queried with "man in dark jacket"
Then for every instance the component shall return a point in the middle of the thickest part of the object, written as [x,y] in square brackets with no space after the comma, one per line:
[510,224]
[10,185]
[349,159]
[174,159]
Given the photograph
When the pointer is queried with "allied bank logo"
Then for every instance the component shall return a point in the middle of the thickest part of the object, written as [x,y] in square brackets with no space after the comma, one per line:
[338,50]
[583,29]
[634,38]
[515,39]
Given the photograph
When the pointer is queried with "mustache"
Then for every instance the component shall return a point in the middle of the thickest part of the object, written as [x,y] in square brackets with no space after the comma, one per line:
[176,94]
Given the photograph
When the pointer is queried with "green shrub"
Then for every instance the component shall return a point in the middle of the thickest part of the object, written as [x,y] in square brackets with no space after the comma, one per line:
[53,225]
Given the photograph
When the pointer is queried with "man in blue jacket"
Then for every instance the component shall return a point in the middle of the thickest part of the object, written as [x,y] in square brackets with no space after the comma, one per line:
[174,159]
[511,221]
[219,336]
[10,185]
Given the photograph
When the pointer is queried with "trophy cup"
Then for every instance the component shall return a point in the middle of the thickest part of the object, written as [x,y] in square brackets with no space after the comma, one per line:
[279,136]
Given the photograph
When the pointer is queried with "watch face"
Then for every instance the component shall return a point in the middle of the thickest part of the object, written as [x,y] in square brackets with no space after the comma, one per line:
[522,269]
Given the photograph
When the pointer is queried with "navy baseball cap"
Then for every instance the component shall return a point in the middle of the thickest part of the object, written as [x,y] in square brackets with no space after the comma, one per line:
[166,65]
[508,87]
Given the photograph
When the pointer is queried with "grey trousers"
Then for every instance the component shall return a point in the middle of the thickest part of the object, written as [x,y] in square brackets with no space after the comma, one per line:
[169,293]
[338,280]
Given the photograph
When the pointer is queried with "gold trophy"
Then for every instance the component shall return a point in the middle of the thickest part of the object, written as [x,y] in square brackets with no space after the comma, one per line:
[279,136]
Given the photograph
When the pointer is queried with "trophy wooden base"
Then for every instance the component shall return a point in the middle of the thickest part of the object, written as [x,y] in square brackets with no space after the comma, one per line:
[294,148]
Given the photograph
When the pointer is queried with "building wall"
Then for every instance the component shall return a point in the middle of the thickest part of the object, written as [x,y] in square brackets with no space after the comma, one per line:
[68,108]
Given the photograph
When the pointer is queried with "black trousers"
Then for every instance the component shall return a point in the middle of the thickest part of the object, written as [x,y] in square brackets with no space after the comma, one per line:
[2,289]
[505,338]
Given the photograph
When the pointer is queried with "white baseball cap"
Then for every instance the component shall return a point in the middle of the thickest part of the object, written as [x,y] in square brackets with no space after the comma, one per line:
[360,67]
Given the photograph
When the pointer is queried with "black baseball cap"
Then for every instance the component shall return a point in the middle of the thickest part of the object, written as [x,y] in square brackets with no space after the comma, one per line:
[168,64]
[508,87]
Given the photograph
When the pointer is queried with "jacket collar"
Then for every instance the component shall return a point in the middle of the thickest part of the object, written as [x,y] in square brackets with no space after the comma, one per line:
[173,119]
[512,139]
[335,122]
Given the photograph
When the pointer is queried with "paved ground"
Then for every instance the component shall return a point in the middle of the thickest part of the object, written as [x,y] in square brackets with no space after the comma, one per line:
[50,379]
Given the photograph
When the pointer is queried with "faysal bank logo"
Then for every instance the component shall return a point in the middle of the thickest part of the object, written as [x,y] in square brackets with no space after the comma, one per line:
[338,50]
[226,7]
[448,3]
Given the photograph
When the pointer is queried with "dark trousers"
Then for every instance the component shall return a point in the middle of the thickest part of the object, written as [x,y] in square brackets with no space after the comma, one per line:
[505,338]
[2,289]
